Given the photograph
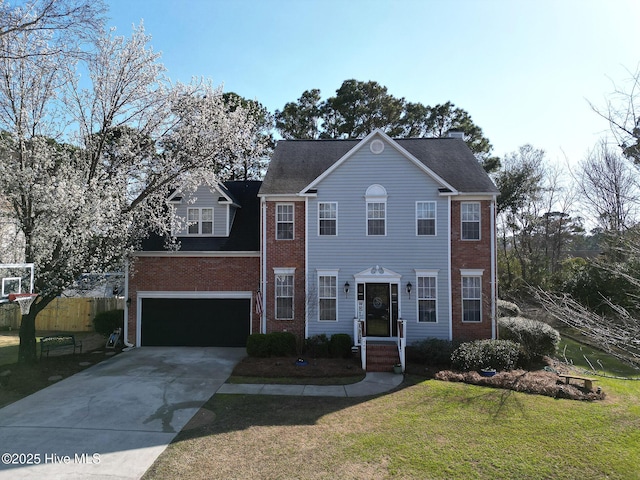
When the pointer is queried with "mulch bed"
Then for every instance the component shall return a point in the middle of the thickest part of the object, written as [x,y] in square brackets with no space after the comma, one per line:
[287,367]
[540,382]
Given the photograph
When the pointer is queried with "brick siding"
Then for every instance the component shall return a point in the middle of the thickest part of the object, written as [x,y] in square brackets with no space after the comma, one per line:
[286,254]
[471,254]
[192,274]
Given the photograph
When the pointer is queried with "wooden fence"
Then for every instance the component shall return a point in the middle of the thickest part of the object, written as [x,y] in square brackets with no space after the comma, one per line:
[63,314]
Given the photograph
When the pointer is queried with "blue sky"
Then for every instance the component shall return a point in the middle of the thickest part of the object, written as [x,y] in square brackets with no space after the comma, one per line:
[525,70]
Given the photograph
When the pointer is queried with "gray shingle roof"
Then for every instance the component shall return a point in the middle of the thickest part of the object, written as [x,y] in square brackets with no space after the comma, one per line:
[296,163]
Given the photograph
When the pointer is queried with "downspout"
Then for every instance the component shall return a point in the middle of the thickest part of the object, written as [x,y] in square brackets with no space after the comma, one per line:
[494,280]
[125,333]
[263,261]
[449,273]
[306,266]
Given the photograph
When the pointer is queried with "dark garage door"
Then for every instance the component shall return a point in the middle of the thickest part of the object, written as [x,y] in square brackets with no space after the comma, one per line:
[195,322]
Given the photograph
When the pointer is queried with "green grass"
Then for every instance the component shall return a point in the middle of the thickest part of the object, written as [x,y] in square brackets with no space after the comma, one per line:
[9,345]
[426,430]
[602,362]
[8,354]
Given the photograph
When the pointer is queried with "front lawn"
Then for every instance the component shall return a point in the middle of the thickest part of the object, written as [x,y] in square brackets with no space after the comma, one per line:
[427,429]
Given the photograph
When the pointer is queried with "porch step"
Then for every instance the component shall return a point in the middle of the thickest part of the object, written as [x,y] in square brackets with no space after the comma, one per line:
[381,358]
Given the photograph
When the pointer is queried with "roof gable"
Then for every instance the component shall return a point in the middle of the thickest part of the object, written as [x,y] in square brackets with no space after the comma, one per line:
[245,230]
[298,165]
[215,188]
[388,141]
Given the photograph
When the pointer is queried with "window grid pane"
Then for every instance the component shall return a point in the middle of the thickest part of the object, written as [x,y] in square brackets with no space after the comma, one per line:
[470,216]
[284,297]
[327,214]
[284,222]
[426,218]
[426,299]
[193,218]
[327,297]
[471,299]
[376,214]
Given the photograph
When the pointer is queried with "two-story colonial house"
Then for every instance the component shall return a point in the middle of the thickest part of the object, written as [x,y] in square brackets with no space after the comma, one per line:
[382,239]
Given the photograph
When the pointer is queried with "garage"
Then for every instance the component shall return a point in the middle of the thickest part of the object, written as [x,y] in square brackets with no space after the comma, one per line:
[195,322]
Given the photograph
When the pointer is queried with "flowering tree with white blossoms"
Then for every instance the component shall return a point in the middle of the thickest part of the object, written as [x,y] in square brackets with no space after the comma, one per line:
[86,166]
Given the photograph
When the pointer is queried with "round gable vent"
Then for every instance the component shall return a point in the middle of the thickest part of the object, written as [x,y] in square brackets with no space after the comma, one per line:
[376,147]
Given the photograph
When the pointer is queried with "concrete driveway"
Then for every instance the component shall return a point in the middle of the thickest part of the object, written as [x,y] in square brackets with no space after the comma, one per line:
[112,420]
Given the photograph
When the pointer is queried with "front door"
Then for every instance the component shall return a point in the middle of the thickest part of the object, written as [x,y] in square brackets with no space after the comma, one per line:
[378,310]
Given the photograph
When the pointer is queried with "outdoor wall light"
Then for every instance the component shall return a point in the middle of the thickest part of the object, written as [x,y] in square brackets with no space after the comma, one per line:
[128,302]
[346,289]
[409,287]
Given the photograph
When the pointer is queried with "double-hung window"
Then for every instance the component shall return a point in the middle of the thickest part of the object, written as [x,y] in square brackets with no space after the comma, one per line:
[328,218]
[284,294]
[376,197]
[427,299]
[284,221]
[470,218]
[200,221]
[426,218]
[327,297]
[471,298]
[376,218]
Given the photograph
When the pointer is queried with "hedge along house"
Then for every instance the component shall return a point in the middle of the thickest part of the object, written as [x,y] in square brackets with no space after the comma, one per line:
[203,294]
[389,241]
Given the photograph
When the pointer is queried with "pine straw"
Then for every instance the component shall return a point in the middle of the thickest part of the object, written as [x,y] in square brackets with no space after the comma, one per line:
[540,382]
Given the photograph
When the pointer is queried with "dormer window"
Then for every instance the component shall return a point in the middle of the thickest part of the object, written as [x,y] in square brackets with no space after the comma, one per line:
[200,221]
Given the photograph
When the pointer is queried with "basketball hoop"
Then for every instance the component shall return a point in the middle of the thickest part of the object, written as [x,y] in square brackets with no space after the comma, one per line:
[24,300]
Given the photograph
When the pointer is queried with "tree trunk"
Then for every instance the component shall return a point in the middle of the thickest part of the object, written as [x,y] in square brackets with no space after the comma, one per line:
[27,352]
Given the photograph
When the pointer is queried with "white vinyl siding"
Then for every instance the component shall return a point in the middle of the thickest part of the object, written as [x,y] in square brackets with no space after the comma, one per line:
[203,213]
[470,218]
[200,221]
[328,218]
[356,183]
[284,221]
[425,218]
[471,299]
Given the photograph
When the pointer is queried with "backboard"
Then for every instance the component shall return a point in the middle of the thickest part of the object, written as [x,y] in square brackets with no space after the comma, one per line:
[15,278]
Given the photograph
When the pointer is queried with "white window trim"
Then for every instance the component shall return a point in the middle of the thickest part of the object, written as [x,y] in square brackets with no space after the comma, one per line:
[199,222]
[293,222]
[464,273]
[336,219]
[426,273]
[479,222]
[375,193]
[284,272]
[383,202]
[435,218]
[328,273]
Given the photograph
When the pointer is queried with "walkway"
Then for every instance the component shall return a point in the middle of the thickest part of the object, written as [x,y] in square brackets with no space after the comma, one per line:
[374,383]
